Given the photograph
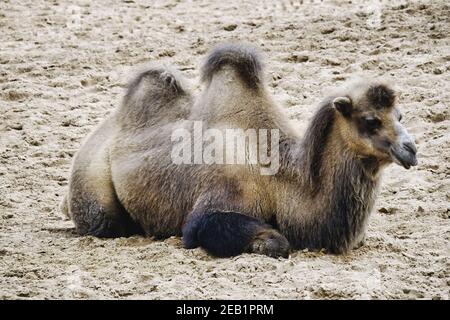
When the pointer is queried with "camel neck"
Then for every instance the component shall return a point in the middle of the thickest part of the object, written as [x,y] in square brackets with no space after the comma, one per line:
[337,184]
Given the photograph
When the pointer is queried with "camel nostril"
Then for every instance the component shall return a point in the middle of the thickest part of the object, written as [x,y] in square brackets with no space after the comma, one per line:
[410,147]
[404,154]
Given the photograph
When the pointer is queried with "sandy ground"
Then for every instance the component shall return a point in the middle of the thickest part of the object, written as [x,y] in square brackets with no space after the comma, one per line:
[63,68]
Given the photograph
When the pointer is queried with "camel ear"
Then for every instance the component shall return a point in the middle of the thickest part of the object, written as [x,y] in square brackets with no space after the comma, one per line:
[343,105]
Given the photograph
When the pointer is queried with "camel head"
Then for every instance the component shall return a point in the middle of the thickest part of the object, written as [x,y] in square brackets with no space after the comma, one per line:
[370,124]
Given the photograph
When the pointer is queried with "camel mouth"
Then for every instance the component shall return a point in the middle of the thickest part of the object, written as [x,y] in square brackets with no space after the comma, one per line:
[404,155]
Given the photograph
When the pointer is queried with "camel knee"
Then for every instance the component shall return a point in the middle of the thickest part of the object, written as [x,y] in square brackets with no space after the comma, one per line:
[225,234]
[92,218]
[270,243]
[222,234]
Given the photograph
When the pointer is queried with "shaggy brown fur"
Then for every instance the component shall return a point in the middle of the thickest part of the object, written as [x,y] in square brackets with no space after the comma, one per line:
[123,180]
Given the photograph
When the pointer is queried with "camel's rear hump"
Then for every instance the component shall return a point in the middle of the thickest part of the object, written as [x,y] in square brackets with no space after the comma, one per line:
[156,94]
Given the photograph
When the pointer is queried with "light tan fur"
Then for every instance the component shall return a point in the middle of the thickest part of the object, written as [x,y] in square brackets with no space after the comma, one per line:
[123,175]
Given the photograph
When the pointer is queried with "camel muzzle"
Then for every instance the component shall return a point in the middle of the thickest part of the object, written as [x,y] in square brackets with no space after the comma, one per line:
[404,154]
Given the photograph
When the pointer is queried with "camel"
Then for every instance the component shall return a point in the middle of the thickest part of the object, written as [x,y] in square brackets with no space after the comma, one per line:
[124,181]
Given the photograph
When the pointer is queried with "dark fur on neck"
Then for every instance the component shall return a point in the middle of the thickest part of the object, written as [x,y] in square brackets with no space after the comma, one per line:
[314,143]
[351,199]
[349,196]
[340,223]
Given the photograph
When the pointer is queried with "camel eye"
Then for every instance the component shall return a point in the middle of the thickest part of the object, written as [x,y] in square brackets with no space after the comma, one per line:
[372,123]
[400,117]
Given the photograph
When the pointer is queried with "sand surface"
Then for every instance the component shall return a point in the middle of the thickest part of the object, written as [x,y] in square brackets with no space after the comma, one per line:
[63,68]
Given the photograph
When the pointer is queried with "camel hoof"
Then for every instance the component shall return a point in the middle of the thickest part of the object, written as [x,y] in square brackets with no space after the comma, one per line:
[270,243]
